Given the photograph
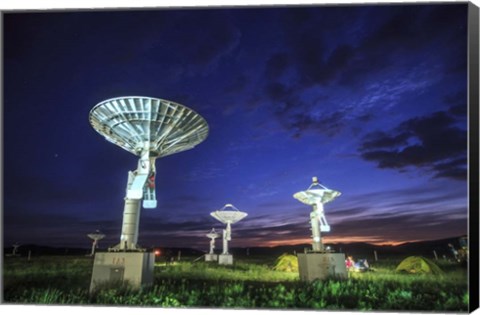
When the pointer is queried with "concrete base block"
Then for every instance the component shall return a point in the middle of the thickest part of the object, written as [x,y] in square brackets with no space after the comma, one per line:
[211,257]
[225,259]
[136,268]
[321,266]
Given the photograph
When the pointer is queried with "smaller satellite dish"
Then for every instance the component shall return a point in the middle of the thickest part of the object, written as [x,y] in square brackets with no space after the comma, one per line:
[228,214]
[316,193]
[316,196]
[15,248]
[95,237]
[213,234]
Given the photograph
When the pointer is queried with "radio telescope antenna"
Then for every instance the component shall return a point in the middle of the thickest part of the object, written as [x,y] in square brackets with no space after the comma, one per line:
[212,235]
[149,128]
[228,215]
[316,196]
[95,237]
[15,248]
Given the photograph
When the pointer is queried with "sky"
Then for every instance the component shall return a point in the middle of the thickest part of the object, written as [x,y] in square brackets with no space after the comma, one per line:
[370,99]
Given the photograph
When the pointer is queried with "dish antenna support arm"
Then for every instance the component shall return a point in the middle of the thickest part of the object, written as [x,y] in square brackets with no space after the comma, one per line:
[139,186]
[142,184]
[319,224]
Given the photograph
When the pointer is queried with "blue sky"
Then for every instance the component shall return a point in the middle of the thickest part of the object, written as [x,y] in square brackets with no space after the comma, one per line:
[370,99]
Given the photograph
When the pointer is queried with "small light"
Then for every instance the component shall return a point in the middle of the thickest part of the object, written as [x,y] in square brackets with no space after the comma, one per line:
[157,252]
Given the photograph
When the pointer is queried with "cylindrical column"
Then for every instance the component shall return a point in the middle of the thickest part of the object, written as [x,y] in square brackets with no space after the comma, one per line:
[212,245]
[225,242]
[93,247]
[131,218]
[316,238]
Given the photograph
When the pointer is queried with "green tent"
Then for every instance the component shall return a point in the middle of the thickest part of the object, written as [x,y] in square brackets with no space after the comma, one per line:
[286,262]
[418,264]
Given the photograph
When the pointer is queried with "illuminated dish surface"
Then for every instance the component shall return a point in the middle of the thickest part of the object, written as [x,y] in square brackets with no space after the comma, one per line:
[138,123]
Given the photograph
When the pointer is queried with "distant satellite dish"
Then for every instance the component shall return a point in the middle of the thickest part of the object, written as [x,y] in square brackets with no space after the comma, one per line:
[212,235]
[95,237]
[228,215]
[149,128]
[15,248]
[316,196]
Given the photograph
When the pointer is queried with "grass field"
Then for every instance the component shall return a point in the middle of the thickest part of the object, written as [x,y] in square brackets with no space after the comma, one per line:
[250,283]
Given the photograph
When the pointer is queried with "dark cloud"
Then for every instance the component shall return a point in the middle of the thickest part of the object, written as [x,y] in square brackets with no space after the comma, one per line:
[202,45]
[432,142]
[276,65]
[329,123]
[408,32]
[400,226]
[278,92]
[455,169]
[237,84]
[347,212]
[395,41]
[457,102]
[380,139]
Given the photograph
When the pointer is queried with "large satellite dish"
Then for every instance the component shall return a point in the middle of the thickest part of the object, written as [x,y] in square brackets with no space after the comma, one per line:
[149,128]
[138,123]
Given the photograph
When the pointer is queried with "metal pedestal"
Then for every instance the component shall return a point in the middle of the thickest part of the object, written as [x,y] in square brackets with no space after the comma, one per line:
[211,257]
[134,268]
[321,266]
[225,259]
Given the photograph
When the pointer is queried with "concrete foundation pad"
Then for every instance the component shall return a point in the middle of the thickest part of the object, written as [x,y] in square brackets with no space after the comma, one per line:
[225,259]
[136,268]
[321,266]
[211,257]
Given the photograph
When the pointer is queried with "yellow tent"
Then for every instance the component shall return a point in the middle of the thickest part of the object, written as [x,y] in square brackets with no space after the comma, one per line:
[418,264]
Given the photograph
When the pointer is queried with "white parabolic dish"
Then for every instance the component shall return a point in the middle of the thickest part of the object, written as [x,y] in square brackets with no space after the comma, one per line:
[228,214]
[96,236]
[133,121]
[213,235]
[312,196]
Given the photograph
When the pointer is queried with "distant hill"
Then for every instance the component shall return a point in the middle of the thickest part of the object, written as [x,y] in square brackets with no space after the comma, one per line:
[40,250]
[365,250]
[356,249]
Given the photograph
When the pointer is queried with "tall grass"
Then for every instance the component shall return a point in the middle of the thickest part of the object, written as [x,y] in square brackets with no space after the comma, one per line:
[64,280]
[212,271]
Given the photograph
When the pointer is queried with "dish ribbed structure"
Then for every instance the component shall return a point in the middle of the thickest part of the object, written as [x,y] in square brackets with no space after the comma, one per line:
[228,215]
[139,124]
[149,128]
[316,196]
